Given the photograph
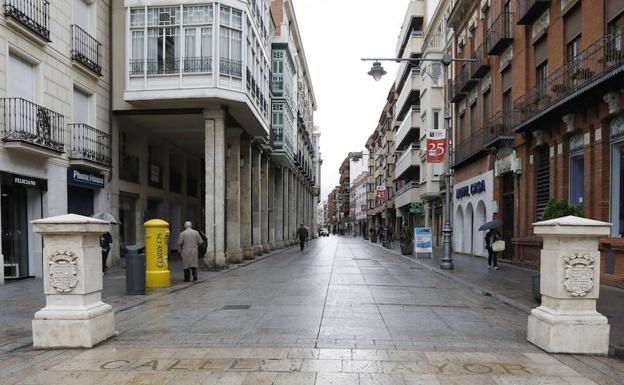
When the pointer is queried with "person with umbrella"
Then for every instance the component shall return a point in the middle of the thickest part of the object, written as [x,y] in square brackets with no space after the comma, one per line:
[106,239]
[491,236]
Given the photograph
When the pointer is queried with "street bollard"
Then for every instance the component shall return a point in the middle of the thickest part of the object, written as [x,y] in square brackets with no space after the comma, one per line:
[567,320]
[156,253]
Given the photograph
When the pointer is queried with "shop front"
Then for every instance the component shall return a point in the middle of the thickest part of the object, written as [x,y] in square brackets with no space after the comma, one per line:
[82,188]
[21,202]
[472,204]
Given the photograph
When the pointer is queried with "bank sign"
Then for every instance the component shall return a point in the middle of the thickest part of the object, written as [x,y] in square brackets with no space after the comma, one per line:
[470,190]
[85,178]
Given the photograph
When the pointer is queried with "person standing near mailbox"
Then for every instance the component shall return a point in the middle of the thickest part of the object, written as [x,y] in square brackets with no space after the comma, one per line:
[188,244]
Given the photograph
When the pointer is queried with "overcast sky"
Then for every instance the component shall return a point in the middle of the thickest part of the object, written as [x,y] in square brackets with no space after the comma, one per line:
[336,35]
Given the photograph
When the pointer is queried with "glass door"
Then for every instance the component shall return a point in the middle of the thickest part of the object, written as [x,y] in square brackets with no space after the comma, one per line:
[14,232]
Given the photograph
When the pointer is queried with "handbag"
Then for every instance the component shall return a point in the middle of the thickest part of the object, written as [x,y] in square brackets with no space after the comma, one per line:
[498,246]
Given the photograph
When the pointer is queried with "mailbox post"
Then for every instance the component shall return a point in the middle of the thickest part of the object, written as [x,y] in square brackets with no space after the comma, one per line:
[157,273]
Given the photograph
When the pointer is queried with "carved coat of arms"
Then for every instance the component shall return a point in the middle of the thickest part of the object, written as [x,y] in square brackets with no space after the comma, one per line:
[579,274]
[63,270]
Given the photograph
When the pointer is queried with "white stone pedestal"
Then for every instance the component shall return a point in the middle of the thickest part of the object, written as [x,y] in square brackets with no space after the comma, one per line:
[567,320]
[74,315]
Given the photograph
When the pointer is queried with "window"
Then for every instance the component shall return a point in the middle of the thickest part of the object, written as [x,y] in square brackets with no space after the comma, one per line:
[573,48]
[542,180]
[81,107]
[21,78]
[577,179]
[487,101]
[473,118]
[507,101]
[230,42]
[541,73]
[436,119]
[81,14]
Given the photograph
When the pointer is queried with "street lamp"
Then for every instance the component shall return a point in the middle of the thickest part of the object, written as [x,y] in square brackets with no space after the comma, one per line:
[377,72]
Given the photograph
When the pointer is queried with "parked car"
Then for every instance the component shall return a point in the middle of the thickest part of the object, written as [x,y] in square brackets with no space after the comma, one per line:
[324,232]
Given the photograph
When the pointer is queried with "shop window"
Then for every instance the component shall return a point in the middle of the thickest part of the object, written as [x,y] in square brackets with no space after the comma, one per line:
[577,170]
[542,180]
[617,177]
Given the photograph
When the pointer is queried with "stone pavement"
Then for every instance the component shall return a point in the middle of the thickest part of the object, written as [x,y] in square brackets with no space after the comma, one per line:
[513,285]
[341,312]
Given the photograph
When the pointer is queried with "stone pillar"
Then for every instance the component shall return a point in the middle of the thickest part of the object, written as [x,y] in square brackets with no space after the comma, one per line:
[427,213]
[265,204]
[292,208]
[245,199]
[256,200]
[74,315]
[214,152]
[567,320]
[286,213]
[278,210]
[233,196]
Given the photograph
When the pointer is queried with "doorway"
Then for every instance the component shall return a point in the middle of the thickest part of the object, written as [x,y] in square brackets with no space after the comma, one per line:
[508,213]
[80,201]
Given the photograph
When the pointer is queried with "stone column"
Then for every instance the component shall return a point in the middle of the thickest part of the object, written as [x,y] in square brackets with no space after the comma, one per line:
[292,208]
[245,199]
[427,213]
[74,315]
[214,152]
[256,200]
[233,196]
[278,208]
[567,320]
[265,205]
[286,213]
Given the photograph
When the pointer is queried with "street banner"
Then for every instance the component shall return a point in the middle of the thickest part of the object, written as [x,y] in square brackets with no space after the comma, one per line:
[364,208]
[436,146]
[423,240]
[381,193]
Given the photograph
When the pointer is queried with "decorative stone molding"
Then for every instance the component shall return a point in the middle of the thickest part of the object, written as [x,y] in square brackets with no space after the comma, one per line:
[486,82]
[576,143]
[462,106]
[568,121]
[505,58]
[63,270]
[613,101]
[541,25]
[579,274]
[472,24]
[472,96]
[617,128]
[538,136]
[485,6]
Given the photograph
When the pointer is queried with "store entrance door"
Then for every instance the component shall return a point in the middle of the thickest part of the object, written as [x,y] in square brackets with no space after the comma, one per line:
[508,213]
[15,231]
[80,201]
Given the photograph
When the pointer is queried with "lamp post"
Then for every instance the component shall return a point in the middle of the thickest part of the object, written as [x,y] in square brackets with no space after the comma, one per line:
[377,71]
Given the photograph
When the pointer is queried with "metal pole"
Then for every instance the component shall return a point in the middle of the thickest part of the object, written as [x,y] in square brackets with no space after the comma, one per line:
[447,230]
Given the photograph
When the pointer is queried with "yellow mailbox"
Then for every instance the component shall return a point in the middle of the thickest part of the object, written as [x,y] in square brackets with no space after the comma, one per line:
[156,254]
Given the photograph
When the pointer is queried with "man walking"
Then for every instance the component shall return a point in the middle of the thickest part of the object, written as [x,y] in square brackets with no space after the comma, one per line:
[105,243]
[188,244]
[302,234]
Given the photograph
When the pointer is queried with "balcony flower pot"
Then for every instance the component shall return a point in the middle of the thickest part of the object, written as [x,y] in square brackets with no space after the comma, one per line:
[407,241]
[407,249]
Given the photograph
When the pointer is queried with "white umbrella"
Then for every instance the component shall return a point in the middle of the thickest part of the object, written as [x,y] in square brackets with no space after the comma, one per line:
[106,217]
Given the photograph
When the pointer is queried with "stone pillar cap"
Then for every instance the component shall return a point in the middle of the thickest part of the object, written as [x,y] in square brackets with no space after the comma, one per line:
[69,223]
[572,225]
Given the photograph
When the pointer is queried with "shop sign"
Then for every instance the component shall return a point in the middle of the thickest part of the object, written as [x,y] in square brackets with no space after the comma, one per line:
[24,181]
[364,208]
[380,193]
[88,178]
[417,208]
[423,240]
[473,189]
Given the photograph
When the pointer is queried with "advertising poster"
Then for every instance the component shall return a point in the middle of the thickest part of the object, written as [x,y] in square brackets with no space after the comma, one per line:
[436,146]
[423,240]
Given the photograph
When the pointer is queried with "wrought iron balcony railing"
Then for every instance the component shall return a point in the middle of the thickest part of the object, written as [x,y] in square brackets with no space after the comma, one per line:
[86,49]
[465,78]
[500,34]
[470,147]
[529,10]
[603,59]
[498,127]
[197,64]
[481,64]
[32,14]
[455,93]
[90,144]
[27,122]
[230,67]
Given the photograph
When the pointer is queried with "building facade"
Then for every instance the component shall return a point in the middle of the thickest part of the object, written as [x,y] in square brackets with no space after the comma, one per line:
[359,205]
[538,117]
[345,219]
[55,155]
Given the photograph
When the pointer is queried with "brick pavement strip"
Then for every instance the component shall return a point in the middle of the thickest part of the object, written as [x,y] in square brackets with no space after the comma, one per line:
[318,317]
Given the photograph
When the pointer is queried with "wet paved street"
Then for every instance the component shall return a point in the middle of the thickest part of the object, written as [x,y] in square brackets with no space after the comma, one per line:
[341,312]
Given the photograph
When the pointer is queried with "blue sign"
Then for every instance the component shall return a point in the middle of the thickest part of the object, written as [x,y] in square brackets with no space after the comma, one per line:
[85,178]
[423,240]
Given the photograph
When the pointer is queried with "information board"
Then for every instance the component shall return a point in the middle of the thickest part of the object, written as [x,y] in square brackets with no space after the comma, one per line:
[423,240]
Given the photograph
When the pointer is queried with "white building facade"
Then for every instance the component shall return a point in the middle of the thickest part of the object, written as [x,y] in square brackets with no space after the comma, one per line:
[55,155]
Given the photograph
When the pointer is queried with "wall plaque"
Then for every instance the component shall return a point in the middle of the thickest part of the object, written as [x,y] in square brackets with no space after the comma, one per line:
[63,270]
[579,274]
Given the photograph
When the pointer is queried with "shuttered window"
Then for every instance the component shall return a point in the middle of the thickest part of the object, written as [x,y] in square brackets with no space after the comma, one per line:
[542,180]
[572,24]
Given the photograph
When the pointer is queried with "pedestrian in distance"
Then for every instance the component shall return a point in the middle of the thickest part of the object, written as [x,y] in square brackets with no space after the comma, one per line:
[302,234]
[105,243]
[188,244]
[490,237]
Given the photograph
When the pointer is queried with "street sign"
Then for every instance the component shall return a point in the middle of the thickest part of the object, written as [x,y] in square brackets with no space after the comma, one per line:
[423,240]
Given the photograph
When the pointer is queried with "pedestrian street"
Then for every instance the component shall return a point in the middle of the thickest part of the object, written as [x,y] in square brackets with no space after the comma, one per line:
[341,312]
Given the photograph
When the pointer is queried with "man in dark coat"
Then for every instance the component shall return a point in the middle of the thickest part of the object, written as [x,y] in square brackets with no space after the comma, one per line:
[302,234]
[105,243]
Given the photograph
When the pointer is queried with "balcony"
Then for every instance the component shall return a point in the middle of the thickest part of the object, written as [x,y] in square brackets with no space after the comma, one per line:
[500,34]
[466,81]
[592,68]
[32,127]
[408,130]
[33,15]
[90,145]
[86,50]
[498,128]
[412,84]
[409,194]
[470,147]
[455,93]
[481,64]
[529,10]
[277,84]
[410,158]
